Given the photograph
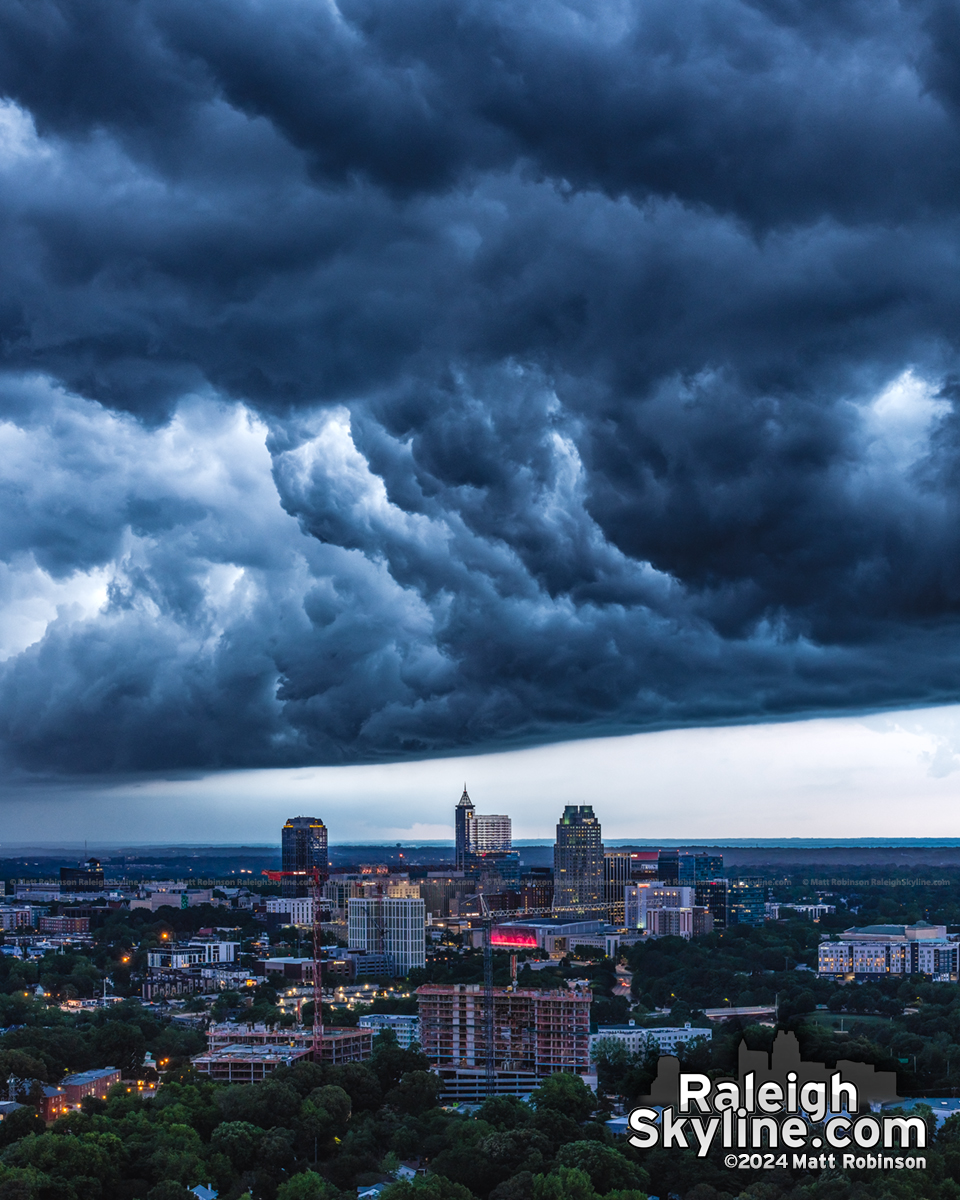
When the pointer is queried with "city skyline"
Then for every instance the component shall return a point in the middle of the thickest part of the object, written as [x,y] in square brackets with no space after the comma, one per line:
[523,441]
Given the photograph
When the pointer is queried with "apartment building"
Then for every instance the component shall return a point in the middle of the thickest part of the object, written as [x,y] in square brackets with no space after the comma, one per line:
[493,833]
[641,898]
[535,1032]
[670,922]
[394,926]
[299,909]
[876,950]
[194,953]
[65,926]
[16,917]
[405,1026]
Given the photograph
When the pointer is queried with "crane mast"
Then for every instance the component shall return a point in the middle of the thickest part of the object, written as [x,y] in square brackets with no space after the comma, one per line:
[315,881]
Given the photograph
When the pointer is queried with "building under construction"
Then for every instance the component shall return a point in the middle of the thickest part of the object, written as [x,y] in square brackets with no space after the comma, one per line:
[249,1053]
[536,1033]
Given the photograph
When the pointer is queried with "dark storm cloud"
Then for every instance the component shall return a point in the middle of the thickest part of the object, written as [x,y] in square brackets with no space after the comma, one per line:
[398,378]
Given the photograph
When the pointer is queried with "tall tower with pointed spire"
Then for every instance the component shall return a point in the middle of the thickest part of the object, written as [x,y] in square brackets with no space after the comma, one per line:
[465,823]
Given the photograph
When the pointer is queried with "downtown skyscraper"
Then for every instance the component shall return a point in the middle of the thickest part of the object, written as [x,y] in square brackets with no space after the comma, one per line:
[479,834]
[578,861]
[464,819]
[303,846]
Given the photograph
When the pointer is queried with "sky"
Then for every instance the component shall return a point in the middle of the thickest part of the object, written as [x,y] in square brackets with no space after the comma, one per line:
[392,386]
[890,775]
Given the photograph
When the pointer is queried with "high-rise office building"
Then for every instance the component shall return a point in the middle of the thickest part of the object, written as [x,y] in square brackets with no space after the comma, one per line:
[536,888]
[620,868]
[481,838]
[492,834]
[695,868]
[711,894]
[84,877]
[668,866]
[465,819]
[746,902]
[578,861]
[303,846]
[395,927]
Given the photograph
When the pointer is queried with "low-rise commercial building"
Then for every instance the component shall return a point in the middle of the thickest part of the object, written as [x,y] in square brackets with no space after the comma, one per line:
[556,935]
[406,1026]
[64,926]
[357,964]
[878,950]
[76,1088]
[290,969]
[812,912]
[639,1039]
[168,894]
[468,1085]
[299,910]
[36,892]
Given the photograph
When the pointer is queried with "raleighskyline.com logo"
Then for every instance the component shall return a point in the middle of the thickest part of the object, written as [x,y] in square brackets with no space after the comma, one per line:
[780,1112]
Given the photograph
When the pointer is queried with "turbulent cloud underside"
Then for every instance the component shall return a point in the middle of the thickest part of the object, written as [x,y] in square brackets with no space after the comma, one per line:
[387,379]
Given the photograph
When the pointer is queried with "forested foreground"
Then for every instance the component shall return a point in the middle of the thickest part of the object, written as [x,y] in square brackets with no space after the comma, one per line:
[319,1133]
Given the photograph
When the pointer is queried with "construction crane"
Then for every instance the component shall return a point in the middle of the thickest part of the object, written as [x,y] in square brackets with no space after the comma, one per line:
[488,1022]
[315,881]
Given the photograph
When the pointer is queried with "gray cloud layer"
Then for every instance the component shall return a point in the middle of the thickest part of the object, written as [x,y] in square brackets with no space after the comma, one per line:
[390,379]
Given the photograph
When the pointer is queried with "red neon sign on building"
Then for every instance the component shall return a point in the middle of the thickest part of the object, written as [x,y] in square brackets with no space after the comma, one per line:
[514,938]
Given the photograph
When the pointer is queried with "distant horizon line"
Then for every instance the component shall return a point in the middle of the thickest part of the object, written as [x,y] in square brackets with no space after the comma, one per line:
[91,845]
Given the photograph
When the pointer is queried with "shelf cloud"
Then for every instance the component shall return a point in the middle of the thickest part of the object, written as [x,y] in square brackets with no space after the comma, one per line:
[390,380]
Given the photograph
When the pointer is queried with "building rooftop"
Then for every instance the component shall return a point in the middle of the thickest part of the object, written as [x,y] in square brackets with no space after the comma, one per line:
[581,992]
[557,923]
[256,1053]
[923,931]
[632,1028]
[83,1077]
